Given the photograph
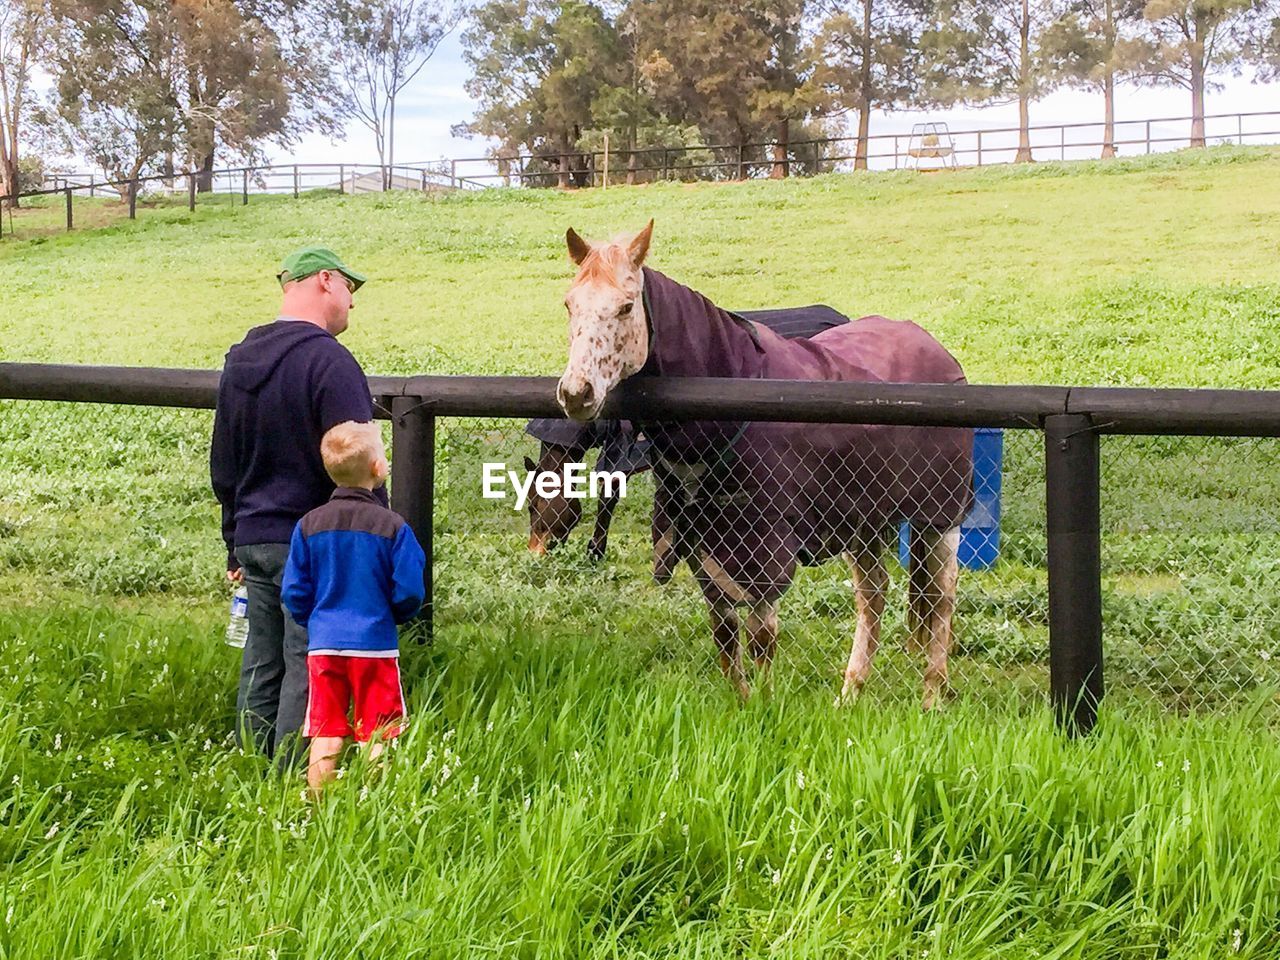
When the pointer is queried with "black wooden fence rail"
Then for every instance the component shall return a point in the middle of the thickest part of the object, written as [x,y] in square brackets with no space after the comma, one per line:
[1070,418]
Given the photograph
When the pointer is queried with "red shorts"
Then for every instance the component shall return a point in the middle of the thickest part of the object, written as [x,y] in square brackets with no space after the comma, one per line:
[370,685]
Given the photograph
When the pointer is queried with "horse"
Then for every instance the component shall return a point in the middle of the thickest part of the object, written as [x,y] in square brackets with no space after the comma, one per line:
[552,519]
[759,499]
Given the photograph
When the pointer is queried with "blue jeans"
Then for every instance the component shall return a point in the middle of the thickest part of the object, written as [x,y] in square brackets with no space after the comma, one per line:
[272,699]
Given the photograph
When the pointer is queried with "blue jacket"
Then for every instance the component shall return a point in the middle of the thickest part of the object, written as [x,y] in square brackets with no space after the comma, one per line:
[354,572]
[281,388]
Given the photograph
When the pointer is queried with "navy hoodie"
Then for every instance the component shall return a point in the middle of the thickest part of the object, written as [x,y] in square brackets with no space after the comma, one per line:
[282,387]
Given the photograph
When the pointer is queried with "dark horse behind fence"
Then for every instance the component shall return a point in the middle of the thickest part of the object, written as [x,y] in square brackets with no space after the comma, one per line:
[622,448]
[757,499]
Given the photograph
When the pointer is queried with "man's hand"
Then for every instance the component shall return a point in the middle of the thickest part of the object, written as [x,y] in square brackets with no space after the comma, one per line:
[236,575]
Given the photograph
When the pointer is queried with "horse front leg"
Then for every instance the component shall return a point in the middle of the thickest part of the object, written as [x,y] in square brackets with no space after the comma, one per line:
[599,542]
[723,596]
[939,601]
[762,639]
[725,630]
[870,578]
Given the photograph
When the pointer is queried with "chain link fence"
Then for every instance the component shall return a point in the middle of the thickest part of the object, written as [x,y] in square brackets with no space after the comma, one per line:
[1191,549]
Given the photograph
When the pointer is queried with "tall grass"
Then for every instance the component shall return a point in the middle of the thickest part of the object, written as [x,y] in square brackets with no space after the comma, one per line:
[554,798]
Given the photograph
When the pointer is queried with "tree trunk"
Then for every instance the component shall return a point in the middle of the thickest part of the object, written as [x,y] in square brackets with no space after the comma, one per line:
[780,147]
[864,91]
[563,169]
[391,142]
[8,179]
[864,131]
[1197,86]
[1024,87]
[631,162]
[204,182]
[1109,83]
[1109,123]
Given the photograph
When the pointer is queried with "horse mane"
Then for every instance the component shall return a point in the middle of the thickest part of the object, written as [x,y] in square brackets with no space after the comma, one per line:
[603,263]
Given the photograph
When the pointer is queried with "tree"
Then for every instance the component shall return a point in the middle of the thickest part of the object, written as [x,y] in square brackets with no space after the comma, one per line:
[539,68]
[865,56]
[381,47]
[1093,43]
[190,78]
[980,50]
[23,33]
[1189,41]
[741,70]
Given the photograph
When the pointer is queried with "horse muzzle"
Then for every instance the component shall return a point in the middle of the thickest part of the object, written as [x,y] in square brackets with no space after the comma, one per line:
[580,402]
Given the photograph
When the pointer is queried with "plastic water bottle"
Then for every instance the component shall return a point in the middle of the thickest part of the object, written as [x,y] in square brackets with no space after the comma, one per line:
[238,628]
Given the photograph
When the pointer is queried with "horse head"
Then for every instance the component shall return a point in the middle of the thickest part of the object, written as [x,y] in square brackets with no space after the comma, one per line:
[552,519]
[608,331]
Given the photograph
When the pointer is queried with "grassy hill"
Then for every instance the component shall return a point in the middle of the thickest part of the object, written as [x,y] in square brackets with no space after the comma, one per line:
[578,781]
[1161,270]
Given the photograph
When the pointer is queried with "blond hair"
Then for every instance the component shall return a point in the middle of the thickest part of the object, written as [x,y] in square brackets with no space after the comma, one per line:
[349,451]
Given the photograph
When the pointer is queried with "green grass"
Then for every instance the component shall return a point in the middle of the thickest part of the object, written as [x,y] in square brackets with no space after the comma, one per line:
[604,794]
[560,798]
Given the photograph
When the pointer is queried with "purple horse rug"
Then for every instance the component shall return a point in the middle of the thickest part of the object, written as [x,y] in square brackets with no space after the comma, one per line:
[759,498]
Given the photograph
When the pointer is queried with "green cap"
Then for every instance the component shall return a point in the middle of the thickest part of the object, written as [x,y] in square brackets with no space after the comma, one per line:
[307,261]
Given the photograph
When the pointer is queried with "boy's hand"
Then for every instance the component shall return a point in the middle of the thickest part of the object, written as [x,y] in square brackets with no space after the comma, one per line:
[236,575]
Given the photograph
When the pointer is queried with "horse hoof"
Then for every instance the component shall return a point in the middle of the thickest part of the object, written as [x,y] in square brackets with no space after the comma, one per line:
[848,696]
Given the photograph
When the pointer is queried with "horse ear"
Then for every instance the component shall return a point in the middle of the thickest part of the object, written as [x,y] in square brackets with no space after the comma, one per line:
[578,248]
[639,248]
[530,465]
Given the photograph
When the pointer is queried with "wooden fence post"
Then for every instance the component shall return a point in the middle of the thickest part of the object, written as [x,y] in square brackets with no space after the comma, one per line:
[191,192]
[244,202]
[68,192]
[295,181]
[1073,524]
[413,468]
[1148,136]
[342,178]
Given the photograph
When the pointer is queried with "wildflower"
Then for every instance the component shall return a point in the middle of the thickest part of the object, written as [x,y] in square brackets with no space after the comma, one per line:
[340,773]
[848,741]
[364,793]
[662,816]
[528,801]
[1186,766]
[800,779]
[1265,655]
[1237,937]
[777,877]
[302,794]
[1159,764]
[475,787]
[684,829]
[831,852]
[53,831]
[445,773]
[897,856]
[488,727]
[57,741]
[208,744]
[739,865]
[109,763]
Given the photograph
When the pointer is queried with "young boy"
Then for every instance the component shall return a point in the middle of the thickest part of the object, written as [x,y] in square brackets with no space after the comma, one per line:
[354,572]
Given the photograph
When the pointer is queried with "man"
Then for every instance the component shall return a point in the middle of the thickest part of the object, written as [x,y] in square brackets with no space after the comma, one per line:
[282,388]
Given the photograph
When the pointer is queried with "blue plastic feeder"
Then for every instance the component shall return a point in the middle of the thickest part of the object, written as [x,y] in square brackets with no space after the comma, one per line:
[980,528]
